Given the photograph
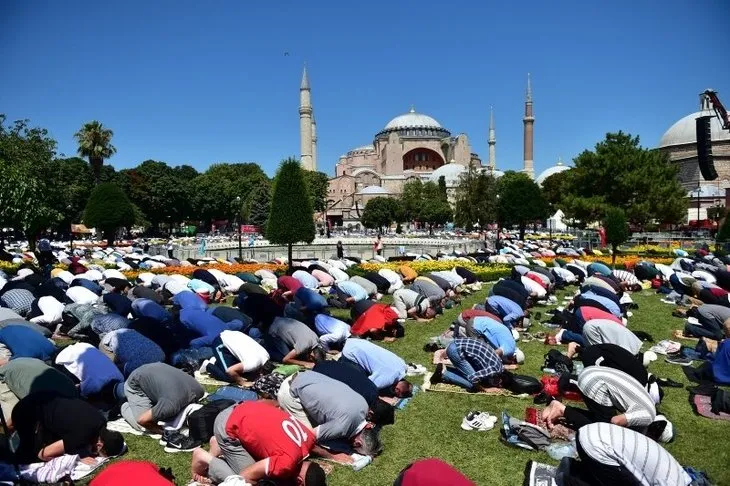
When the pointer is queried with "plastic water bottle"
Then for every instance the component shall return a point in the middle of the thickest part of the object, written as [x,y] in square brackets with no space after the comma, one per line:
[577,367]
[560,450]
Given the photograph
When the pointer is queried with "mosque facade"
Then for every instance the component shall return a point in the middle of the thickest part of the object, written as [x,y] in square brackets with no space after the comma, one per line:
[411,146]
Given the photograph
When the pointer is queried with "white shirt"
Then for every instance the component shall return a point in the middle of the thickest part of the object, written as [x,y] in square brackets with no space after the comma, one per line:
[93,275]
[175,286]
[146,278]
[113,273]
[264,274]
[643,458]
[533,287]
[81,295]
[90,366]
[249,352]
[52,311]
[180,278]
[230,283]
[338,275]
[566,275]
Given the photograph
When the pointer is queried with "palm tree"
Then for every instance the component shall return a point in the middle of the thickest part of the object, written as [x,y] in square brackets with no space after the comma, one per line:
[95,143]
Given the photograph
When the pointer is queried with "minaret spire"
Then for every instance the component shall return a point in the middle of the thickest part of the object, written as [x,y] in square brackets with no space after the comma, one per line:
[492,141]
[306,128]
[528,121]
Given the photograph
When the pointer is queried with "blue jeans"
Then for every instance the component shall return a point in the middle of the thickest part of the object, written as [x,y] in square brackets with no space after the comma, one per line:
[462,369]
[572,337]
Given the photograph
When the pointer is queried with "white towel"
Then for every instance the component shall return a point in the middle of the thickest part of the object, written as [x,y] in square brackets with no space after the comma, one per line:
[179,421]
[51,471]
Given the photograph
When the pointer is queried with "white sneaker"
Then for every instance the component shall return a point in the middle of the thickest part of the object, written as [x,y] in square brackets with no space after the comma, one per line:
[480,421]
[693,320]
[204,366]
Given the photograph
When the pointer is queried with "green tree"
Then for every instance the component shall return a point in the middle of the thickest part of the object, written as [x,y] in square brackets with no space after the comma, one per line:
[435,210]
[292,218]
[410,199]
[26,197]
[109,209]
[157,191]
[442,188]
[620,173]
[259,206]
[475,199]
[554,189]
[95,142]
[379,213]
[617,230]
[317,184]
[520,201]
[73,181]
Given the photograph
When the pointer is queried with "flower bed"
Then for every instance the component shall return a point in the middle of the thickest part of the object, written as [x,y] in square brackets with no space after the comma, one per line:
[485,271]
[188,270]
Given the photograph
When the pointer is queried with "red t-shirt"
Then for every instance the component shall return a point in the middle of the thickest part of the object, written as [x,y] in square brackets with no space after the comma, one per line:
[267,432]
[718,292]
[434,472]
[288,283]
[377,317]
[535,278]
[470,313]
[590,313]
[130,472]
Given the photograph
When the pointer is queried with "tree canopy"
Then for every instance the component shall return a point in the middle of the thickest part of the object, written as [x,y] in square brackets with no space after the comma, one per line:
[520,201]
[292,218]
[617,230]
[554,189]
[620,173]
[259,206]
[95,142]
[380,212]
[435,209]
[317,183]
[26,155]
[109,209]
[475,199]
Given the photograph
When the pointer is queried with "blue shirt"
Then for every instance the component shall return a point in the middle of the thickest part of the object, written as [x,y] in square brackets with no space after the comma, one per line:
[118,303]
[384,368]
[150,308]
[599,268]
[353,289]
[306,279]
[509,310]
[330,325]
[105,323]
[310,299]
[88,285]
[25,342]
[498,335]
[206,325]
[199,286]
[189,300]
[132,350]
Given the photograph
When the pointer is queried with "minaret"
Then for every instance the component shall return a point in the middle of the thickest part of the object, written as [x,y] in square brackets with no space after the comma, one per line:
[314,142]
[305,123]
[529,121]
[492,141]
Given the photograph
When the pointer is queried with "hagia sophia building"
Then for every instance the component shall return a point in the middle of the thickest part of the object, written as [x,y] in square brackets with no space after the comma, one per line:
[410,146]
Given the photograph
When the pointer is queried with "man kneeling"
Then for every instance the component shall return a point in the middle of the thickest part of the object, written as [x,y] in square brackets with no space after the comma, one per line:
[257,440]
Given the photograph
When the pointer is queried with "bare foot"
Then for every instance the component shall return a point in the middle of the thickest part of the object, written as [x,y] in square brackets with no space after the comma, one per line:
[214,448]
[199,465]
[201,479]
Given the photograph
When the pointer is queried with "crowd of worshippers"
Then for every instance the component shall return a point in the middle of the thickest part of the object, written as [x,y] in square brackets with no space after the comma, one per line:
[137,346]
[619,424]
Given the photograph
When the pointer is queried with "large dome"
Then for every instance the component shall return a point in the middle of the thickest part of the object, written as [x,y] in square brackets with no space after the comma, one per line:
[685,131]
[557,168]
[451,173]
[412,120]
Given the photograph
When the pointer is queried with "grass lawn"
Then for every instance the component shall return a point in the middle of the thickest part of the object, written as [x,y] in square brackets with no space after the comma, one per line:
[430,424]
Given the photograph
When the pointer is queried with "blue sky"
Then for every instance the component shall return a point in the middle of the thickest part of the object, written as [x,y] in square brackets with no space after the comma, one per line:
[204,82]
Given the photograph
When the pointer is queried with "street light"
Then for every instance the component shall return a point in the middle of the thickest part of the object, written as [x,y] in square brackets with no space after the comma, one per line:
[496,247]
[238,224]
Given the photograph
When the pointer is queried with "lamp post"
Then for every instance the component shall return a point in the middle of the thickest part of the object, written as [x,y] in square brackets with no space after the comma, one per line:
[238,228]
[71,227]
[496,246]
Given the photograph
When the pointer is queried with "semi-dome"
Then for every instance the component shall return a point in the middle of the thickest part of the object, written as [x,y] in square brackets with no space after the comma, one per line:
[412,120]
[451,173]
[364,148]
[557,168]
[685,130]
[374,190]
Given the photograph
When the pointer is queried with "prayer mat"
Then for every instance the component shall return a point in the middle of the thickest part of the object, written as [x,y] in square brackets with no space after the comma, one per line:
[205,379]
[702,405]
[539,474]
[448,388]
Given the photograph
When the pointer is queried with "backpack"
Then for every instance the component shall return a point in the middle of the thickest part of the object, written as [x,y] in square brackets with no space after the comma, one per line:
[524,384]
[201,421]
[518,433]
[555,360]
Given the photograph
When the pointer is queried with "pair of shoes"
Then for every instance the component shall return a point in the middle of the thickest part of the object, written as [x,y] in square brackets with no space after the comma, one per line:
[480,421]
[678,359]
[669,382]
[178,442]
[415,369]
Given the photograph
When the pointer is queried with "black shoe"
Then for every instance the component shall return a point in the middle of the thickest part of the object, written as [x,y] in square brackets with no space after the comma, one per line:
[437,376]
[679,360]
[669,382]
[181,443]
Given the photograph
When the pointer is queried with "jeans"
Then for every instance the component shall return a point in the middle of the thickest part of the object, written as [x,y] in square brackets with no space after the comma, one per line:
[276,348]
[572,337]
[462,369]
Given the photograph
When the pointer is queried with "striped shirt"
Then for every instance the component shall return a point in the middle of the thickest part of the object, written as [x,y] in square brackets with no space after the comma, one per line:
[625,276]
[603,331]
[614,388]
[19,300]
[480,356]
[643,458]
